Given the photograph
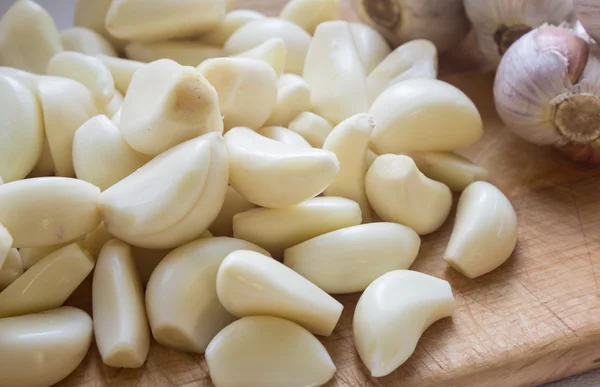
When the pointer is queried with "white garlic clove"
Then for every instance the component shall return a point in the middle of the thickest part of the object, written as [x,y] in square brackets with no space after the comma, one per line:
[22,130]
[293,98]
[32,255]
[234,204]
[334,73]
[233,21]
[453,170]
[371,157]
[184,52]
[349,259]
[121,69]
[273,51]
[27,79]
[312,127]
[86,41]
[370,45]
[424,115]
[6,242]
[349,140]
[167,104]
[399,192]
[120,324]
[48,283]
[251,284]
[392,314]
[101,155]
[308,14]
[48,210]
[92,14]
[247,89]
[66,105]
[181,297]
[11,268]
[485,231]
[95,240]
[256,32]
[45,164]
[284,135]
[87,70]
[272,174]
[163,20]
[414,59]
[173,198]
[28,37]
[277,229]
[261,344]
[114,106]
[146,261]
[44,348]
[588,13]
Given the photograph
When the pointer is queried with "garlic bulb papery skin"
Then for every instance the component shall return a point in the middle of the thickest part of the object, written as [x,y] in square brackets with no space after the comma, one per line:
[273,51]
[552,97]
[39,350]
[256,32]
[424,115]
[499,24]
[312,127]
[233,21]
[350,142]
[293,98]
[272,174]
[120,323]
[28,37]
[334,73]
[167,104]
[399,192]
[401,21]
[455,171]
[277,229]
[308,14]
[172,199]
[22,130]
[11,268]
[86,41]
[6,242]
[485,231]
[588,13]
[46,211]
[141,21]
[370,45]
[246,89]
[414,59]
[392,314]
[92,14]
[252,284]
[181,297]
[255,351]
[32,255]
[184,52]
[349,259]
[121,69]
[234,204]
[284,135]
[48,283]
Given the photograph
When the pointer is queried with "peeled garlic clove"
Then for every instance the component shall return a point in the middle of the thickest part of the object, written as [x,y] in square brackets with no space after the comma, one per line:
[66,105]
[370,45]
[588,13]
[233,21]
[6,242]
[48,283]
[11,268]
[424,115]
[181,297]
[260,344]
[392,314]
[146,261]
[350,142]
[120,324]
[371,157]
[22,130]
[86,41]
[92,14]
[284,135]
[27,79]
[28,37]
[453,170]
[485,231]
[252,99]
[114,106]
[277,229]
[308,14]
[312,127]
[414,59]
[334,73]
[256,32]
[234,204]
[250,284]
[184,52]
[293,98]
[121,69]
[167,104]
[272,174]
[173,198]
[400,193]
[273,51]
[101,155]
[32,255]
[45,164]
[95,240]
[44,348]
[48,210]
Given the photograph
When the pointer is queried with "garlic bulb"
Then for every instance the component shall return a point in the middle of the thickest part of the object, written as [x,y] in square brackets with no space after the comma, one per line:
[86,41]
[443,22]
[498,24]
[588,13]
[546,91]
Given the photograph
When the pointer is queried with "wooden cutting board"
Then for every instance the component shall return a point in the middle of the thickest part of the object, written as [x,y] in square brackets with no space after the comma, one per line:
[535,319]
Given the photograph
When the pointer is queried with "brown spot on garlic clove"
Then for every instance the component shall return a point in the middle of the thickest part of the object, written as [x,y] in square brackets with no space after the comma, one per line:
[505,36]
[385,13]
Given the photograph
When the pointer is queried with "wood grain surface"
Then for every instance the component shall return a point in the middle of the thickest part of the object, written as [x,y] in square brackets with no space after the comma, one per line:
[535,319]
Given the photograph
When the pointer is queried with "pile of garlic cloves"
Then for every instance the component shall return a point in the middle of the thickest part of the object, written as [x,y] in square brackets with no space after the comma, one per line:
[222,183]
